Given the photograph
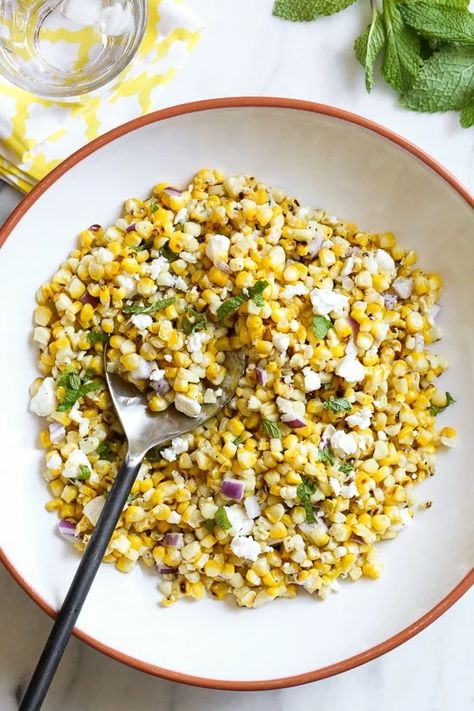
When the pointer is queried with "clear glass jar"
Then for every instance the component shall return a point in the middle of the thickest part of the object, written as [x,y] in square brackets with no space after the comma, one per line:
[59,49]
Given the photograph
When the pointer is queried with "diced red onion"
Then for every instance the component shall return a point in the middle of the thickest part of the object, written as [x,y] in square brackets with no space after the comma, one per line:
[172,191]
[88,299]
[296,423]
[315,245]
[56,432]
[163,569]
[67,529]
[354,326]
[131,228]
[233,489]
[160,386]
[95,228]
[390,300]
[174,540]
[262,376]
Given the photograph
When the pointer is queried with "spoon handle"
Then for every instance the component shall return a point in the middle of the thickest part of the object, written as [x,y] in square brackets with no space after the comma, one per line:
[80,586]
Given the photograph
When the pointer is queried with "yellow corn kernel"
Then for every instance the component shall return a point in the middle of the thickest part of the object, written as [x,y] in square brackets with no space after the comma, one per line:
[54,505]
[342,328]
[133,514]
[372,570]
[213,568]
[279,530]
[218,276]
[414,322]
[43,315]
[131,265]
[124,564]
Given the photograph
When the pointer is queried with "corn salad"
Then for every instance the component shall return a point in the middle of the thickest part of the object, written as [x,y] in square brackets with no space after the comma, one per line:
[314,459]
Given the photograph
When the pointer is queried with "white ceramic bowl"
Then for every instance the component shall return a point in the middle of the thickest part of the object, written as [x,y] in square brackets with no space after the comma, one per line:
[360,172]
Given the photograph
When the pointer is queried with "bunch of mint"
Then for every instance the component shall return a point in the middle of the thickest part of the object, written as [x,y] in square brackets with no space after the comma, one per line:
[427,49]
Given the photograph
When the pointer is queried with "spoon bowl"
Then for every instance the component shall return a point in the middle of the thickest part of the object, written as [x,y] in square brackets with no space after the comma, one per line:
[145,429]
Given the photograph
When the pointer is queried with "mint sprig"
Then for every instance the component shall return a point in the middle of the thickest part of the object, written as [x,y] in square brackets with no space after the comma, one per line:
[426,46]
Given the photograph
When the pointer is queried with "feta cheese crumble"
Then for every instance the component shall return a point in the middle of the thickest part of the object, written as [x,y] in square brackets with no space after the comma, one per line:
[245,547]
[325,301]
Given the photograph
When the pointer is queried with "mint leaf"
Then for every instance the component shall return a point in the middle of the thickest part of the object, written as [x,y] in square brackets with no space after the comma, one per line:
[97,337]
[368,46]
[144,245]
[209,524]
[198,324]
[153,205]
[435,410]
[238,440]
[89,387]
[338,404]
[326,455]
[104,451]
[222,520]
[272,429]
[69,400]
[256,291]
[149,308]
[346,467]
[84,472]
[463,4]
[402,57]
[307,10]
[445,82]
[321,326]
[467,115]
[449,24]
[168,253]
[234,302]
[304,492]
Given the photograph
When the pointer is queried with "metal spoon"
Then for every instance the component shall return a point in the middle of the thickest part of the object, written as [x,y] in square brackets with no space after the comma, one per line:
[143,430]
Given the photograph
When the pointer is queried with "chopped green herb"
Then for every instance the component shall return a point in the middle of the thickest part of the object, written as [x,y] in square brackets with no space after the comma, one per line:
[232,304]
[199,323]
[64,378]
[209,523]
[346,467]
[238,440]
[168,253]
[84,472]
[271,428]
[338,404]
[104,451]
[321,326]
[129,498]
[149,308]
[74,388]
[97,337]
[326,455]
[255,292]
[305,491]
[154,455]
[222,520]
[153,205]
[144,245]
[435,410]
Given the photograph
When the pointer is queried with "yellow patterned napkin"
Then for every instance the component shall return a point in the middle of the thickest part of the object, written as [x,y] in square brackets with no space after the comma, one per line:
[37,134]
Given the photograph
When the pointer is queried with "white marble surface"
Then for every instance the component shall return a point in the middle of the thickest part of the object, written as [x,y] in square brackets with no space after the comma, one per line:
[247,52]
